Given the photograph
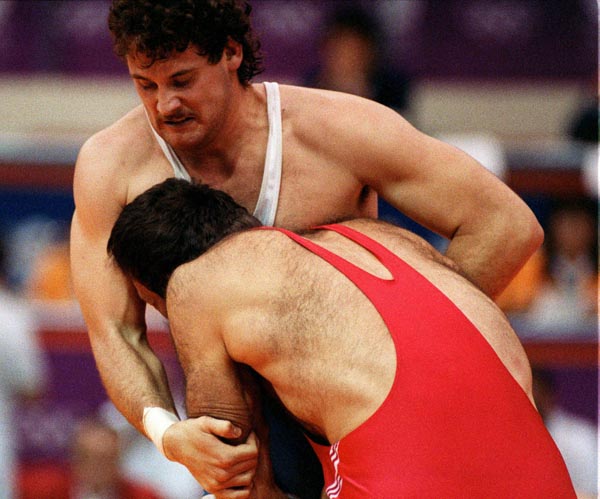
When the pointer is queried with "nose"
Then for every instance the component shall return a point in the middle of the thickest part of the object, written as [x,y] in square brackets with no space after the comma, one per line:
[167,102]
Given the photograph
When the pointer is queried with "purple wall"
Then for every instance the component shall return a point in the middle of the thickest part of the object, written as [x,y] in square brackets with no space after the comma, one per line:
[464,39]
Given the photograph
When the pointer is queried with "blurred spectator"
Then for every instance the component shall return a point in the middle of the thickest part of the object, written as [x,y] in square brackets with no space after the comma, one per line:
[143,462]
[584,126]
[575,437]
[567,299]
[351,60]
[50,275]
[94,470]
[583,129]
[27,242]
[21,372]
[556,291]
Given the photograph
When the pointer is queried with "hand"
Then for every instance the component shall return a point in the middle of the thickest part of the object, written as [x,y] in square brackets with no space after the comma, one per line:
[224,470]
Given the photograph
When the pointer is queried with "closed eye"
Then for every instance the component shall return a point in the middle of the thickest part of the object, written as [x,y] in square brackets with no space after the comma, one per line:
[181,84]
[145,85]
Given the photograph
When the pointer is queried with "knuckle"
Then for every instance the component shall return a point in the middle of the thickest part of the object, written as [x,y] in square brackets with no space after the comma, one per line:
[221,476]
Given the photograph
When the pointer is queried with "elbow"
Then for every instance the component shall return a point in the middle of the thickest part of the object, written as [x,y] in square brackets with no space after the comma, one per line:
[533,235]
[523,236]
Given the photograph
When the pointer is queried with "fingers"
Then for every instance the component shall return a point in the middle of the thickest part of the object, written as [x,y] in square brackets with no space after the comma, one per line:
[223,469]
[235,466]
[232,494]
[238,482]
[220,427]
[230,482]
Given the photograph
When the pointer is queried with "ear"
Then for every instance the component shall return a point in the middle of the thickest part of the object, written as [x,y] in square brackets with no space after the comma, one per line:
[233,54]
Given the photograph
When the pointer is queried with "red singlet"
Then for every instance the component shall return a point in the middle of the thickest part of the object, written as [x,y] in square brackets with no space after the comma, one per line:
[455,424]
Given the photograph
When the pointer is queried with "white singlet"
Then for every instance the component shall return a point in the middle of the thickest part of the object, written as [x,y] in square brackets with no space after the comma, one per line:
[266,206]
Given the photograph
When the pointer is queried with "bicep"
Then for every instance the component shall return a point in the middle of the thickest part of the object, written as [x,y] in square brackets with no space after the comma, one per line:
[492,231]
[430,181]
[105,294]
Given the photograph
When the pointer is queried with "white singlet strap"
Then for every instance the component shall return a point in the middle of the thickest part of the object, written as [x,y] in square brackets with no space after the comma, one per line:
[266,206]
[178,168]
[268,198]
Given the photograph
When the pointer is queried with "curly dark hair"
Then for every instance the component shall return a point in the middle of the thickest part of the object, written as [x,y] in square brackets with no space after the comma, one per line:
[157,28]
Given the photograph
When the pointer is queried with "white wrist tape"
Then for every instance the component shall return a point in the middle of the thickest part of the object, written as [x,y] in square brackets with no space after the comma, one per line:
[156,420]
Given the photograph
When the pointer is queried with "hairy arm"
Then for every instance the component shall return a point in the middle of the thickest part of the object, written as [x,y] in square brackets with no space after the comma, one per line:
[216,386]
[491,230]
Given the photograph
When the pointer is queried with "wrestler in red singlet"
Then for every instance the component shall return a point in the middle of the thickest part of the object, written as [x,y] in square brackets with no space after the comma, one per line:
[455,424]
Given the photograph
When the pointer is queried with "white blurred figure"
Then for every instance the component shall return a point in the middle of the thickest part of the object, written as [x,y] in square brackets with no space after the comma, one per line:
[590,177]
[22,373]
[484,147]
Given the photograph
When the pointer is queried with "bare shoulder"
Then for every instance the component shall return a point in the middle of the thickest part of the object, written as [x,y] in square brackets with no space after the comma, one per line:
[386,233]
[245,255]
[119,162]
[352,131]
[123,141]
[318,102]
[317,109]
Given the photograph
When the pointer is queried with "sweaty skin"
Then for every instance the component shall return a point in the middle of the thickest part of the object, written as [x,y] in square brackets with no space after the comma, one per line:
[338,152]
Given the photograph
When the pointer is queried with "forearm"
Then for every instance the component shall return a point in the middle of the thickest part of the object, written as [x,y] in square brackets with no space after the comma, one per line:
[492,252]
[132,375]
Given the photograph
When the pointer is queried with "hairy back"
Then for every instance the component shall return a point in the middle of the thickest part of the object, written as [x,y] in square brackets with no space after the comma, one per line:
[314,335]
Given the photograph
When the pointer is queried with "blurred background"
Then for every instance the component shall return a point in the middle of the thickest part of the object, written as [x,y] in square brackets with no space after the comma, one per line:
[512,82]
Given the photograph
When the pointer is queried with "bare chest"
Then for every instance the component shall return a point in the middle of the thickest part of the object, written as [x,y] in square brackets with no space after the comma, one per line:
[312,191]
[314,188]
[315,191]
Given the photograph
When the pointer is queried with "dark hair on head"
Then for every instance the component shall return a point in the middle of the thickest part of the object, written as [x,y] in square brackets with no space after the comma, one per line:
[354,18]
[581,207]
[170,224]
[157,28]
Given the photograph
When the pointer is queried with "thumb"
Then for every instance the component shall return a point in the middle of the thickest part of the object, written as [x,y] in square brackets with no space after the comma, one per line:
[221,427]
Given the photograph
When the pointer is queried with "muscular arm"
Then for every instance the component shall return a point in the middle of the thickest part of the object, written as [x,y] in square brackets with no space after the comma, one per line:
[216,386]
[114,315]
[492,232]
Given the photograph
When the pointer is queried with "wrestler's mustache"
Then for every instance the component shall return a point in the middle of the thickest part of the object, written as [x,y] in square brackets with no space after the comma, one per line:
[174,119]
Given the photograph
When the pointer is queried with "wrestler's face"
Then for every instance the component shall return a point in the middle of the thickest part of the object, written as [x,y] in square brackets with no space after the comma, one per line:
[151,298]
[187,99]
